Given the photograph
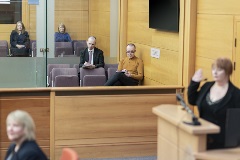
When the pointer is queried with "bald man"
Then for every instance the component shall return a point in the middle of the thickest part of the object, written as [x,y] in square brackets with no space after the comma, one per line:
[91,55]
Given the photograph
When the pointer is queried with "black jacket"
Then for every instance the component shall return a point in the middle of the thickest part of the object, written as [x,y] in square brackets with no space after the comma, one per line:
[22,39]
[98,58]
[29,150]
[230,100]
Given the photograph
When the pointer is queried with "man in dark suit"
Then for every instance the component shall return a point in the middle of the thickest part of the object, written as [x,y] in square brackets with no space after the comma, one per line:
[91,57]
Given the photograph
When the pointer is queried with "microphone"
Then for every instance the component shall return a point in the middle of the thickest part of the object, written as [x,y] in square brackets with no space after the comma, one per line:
[195,121]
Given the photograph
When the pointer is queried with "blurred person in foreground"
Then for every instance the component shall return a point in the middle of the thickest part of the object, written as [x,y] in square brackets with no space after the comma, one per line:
[21,132]
[214,98]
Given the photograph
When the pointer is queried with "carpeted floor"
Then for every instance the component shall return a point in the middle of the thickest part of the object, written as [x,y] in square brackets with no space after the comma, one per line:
[130,158]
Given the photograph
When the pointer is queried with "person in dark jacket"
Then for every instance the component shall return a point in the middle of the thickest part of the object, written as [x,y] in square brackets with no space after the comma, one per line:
[91,56]
[215,98]
[19,40]
[21,132]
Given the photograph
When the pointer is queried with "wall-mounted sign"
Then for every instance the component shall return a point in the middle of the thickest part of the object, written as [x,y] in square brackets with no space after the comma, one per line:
[33,2]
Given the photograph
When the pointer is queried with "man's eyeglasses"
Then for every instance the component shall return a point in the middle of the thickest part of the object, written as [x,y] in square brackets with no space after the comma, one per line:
[130,51]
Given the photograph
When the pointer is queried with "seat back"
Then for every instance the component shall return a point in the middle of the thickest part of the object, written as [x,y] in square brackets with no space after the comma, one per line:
[79,46]
[94,80]
[34,49]
[49,71]
[4,48]
[86,72]
[111,72]
[31,47]
[62,71]
[69,154]
[63,48]
[106,66]
[66,81]
[77,67]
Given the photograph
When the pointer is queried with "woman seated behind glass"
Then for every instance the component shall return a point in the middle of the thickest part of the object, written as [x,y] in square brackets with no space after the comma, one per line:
[62,35]
[21,132]
[19,40]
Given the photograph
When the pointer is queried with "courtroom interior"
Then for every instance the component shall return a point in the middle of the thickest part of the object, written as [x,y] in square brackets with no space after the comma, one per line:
[71,106]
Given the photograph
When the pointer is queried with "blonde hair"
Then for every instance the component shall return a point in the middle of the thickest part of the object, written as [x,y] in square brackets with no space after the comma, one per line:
[25,120]
[62,25]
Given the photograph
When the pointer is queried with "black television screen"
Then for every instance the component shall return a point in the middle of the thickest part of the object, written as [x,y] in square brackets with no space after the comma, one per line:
[164,15]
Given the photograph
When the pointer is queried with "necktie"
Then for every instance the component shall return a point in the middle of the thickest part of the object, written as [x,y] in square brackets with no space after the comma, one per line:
[90,57]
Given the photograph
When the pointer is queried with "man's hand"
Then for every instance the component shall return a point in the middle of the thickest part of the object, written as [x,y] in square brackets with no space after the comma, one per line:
[127,74]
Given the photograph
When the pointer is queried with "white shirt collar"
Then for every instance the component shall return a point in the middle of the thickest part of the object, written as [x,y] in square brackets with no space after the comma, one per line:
[91,50]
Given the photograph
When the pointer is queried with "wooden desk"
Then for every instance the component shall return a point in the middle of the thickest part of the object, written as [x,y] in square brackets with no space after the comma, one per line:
[97,122]
[219,154]
[106,122]
[177,140]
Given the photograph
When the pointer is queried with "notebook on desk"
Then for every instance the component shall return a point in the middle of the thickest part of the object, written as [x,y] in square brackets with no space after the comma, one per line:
[232,134]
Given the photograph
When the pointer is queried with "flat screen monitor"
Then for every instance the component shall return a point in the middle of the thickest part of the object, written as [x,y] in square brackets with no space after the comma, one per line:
[232,135]
[164,15]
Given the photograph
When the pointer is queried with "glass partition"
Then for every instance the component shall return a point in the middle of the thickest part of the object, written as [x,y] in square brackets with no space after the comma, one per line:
[41,18]
[21,24]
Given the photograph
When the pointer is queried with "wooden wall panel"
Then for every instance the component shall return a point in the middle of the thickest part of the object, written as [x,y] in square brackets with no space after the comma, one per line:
[219,7]
[38,108]
[156,71]
[75,16]
[32,22]
[99,24]
[77,25]
[111,127]
[100,5]
[214,36]
[159,69]
[215,32]
[5,31]
[103,44]
[165,40]
[110,118]
[112,151]
[138,6]
[138,30]
[73,5]
[236,53]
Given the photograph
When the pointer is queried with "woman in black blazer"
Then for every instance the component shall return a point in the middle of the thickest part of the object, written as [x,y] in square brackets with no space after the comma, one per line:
[19,40]
[21,132]
[214,98]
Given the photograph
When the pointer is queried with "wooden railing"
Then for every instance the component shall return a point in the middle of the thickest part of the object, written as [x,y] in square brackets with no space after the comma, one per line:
[97,122]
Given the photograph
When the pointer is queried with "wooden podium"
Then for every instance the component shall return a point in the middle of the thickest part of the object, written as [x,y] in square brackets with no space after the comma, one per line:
[177,140]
